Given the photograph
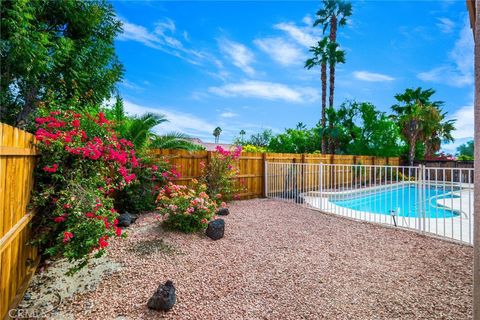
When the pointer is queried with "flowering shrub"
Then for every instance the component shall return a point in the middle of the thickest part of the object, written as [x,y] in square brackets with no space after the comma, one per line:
[219,173]
[82,164]
[186,209]
[140,195]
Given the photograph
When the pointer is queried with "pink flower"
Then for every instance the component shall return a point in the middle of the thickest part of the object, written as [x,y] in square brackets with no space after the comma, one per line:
[204,221]
[190,210]
[154,168]
[224,205]
[67,236]
[60,219]
[51,169]
[118,231]
[76,123]
[89,215]
[102,242]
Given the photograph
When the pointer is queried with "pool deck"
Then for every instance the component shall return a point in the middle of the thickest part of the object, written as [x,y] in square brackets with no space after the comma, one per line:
[458,228]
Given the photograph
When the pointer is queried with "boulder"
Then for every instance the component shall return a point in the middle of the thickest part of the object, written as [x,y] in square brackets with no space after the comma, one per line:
[164,298]
[223,212]
[126,219]
[216,229]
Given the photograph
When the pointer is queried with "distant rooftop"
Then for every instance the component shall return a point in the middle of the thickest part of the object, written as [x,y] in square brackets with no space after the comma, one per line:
[209,146]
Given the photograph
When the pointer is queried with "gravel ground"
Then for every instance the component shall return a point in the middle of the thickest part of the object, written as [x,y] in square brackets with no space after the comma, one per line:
[281,261]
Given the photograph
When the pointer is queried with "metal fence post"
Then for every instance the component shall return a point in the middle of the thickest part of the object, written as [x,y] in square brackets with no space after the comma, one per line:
[265,178]
[320,184]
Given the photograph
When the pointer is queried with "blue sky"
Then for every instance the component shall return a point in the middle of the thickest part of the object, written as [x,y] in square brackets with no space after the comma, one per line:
[239,65]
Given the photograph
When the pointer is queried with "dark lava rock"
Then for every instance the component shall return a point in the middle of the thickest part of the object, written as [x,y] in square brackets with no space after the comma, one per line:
[126,219]
[223,212]
[216,229]
[164,298]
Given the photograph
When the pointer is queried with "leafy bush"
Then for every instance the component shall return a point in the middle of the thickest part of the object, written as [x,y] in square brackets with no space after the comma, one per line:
[186,209]
[140,195]
[83,164]
[252,148]
[219,173]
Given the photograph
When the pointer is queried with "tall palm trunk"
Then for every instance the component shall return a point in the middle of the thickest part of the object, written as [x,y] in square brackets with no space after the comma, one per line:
[333,39]
[324,105]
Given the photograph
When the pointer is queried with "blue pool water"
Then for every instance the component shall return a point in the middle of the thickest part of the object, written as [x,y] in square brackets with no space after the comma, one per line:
[404,200]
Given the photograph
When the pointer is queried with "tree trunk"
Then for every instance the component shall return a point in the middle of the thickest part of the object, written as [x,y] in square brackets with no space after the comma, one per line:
[332,85]
[324,106]
[28,108]
[333,38]
[333,29]
[411,151]
[476,233]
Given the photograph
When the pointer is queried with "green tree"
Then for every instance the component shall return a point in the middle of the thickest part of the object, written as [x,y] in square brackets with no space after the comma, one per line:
[320,58]
[440,132]
[242,135]
[465,151]
[418,118]
[216,133]
[60,51]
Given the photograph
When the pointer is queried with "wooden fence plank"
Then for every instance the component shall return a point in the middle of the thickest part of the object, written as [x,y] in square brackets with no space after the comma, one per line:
[17,163]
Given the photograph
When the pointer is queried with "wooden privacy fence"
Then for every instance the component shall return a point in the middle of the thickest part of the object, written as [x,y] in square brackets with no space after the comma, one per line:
[252,165]
[18,259]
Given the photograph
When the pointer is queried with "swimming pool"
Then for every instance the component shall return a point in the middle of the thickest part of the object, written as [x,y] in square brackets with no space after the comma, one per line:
[404,200]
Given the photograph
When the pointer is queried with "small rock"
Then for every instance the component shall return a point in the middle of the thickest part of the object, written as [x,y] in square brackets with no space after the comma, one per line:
[27,296]
[223,212]
[126,219]
[164,298]
[216,229]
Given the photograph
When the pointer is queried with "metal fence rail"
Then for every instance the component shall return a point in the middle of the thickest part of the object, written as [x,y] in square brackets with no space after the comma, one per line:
[431,200]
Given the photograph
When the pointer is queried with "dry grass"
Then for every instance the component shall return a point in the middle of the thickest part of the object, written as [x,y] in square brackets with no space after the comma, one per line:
[281,261]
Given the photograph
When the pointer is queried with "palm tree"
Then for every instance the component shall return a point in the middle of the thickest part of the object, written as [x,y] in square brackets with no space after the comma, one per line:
[242,135]
[417,117]
[440,133]
[174,140]
[335,55]
[320,58]
[333,14]
[138,129]
[216,133]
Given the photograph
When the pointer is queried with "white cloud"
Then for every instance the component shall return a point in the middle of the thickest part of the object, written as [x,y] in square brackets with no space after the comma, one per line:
[305,36]
[281,51]
[138,33]
[241,56]
[371,76]
[464,128]
[446,25]
[465,122]
[164,38]
[228,114]
[266,90]
[458,72]
[177,121]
